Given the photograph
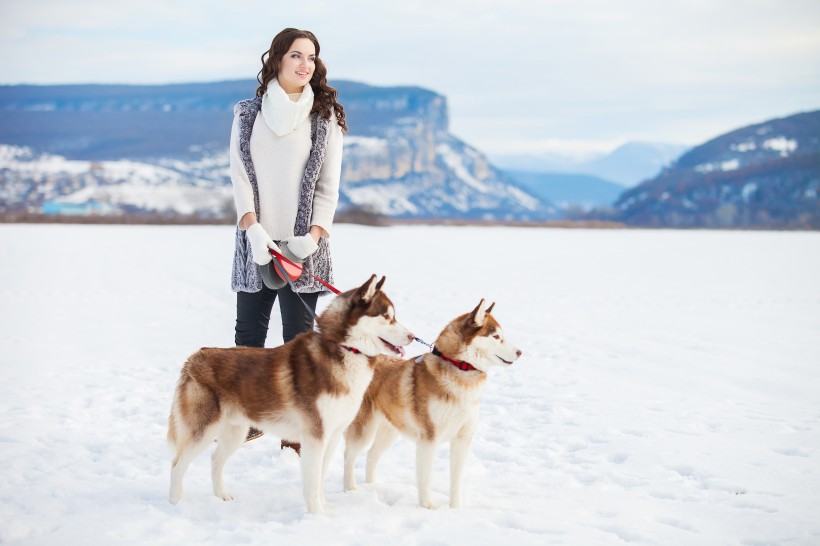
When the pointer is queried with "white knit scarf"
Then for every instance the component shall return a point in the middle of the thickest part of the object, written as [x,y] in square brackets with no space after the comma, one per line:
[281,114]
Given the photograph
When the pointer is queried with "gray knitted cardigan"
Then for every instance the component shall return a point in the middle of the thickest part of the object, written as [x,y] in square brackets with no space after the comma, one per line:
[246,276]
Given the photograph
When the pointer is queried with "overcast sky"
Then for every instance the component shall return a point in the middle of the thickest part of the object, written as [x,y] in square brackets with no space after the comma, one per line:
[520,76]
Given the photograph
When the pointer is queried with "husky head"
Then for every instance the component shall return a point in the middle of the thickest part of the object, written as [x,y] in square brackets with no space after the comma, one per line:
[364,319]
[476,337]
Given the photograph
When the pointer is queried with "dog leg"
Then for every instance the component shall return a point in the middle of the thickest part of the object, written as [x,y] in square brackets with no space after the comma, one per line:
[459,448]
[352,450]
[311,460]
[425,453]
[358,436]
[386,435]
[228,441]
[185,455]
[330,448]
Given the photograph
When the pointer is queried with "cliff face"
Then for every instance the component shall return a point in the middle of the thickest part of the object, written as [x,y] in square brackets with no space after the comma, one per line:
[764,175]
[399,157]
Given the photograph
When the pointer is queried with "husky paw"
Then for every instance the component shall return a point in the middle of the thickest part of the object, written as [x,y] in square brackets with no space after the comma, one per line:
[430,505]
[173,499]
[316,510]
[224,496]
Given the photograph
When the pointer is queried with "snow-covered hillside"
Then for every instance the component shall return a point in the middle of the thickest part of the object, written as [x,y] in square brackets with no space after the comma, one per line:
[44,182]
[399,158]
[765,175]
[667,395]
[458,183]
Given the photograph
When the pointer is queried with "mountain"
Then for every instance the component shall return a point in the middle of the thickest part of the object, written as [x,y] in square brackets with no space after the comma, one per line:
[634,162]
[628,165]
[763,175]
[567,190]
[73,144]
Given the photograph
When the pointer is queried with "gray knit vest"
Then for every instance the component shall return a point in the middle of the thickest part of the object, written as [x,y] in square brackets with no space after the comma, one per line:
[246,276]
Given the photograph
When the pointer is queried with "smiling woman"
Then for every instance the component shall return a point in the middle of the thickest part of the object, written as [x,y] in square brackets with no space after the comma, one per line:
[285,164]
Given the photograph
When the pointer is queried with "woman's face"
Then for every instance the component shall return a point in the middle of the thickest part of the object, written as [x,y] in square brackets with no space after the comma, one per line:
[297,66]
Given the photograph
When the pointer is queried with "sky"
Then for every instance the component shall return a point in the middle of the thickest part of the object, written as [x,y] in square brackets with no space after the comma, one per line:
[521,77]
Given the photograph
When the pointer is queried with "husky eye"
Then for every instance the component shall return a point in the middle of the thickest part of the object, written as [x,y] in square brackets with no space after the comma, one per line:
[496,336]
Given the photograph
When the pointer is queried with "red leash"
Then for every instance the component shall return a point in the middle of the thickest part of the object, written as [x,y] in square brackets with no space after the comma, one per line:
[281,258]
[278,256]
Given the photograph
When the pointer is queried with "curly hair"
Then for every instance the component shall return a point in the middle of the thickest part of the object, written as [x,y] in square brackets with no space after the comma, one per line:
[325,97]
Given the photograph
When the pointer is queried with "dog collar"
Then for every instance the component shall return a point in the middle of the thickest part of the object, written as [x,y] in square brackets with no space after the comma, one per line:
[353,350]
[460,364]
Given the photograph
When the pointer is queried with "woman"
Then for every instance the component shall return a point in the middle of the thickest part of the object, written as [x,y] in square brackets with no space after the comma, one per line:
[285,163]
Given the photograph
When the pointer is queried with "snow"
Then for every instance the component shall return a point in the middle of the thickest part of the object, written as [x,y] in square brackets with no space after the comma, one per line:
[747,146]
[785,146]
[24,160]
[453,160]
[526,200]
[384,198]
[180,198]
[748,190]
[728,165]
[667,394]
[366,145]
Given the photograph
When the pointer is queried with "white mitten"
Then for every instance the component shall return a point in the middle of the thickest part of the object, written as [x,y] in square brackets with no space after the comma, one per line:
[302,246]
[260,243]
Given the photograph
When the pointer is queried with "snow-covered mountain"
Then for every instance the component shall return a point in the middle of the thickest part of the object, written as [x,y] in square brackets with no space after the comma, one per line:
[42,182]
[763,175]
[454,181]
[163,149]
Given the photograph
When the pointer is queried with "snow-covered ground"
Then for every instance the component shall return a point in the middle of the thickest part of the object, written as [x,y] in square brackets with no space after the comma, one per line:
[669,391]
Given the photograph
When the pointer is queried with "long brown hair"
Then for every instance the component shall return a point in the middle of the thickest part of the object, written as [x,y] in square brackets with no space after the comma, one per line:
[324,97]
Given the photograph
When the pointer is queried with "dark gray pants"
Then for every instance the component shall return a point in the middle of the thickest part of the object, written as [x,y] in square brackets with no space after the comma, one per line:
[253,315]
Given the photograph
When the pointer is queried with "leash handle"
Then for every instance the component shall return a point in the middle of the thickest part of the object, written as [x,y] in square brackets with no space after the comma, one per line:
[276,257]
[279,256]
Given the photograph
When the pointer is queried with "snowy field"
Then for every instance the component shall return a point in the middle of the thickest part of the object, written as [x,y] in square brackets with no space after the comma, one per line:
[669,391]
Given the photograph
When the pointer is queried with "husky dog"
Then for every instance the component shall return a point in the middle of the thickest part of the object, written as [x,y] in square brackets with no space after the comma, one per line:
[307,390]
[432,400]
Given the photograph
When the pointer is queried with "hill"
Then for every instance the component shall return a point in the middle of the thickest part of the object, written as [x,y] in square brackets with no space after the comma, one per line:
[763,175]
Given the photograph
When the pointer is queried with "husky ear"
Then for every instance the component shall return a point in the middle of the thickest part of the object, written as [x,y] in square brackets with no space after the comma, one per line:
[380,283]
[490,308]
[366,291]
[479,313]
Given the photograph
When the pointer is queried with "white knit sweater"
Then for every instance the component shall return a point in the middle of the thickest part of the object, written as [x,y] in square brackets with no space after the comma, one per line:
[279,162]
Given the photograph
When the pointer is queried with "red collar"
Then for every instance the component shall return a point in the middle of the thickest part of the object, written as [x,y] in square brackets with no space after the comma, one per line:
[353,350]
[460,364]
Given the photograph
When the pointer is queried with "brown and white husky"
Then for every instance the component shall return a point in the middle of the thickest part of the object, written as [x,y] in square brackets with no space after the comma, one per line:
[431,400]
[307,390]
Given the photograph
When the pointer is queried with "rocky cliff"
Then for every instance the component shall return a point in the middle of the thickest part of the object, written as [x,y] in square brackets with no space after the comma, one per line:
[400,159]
